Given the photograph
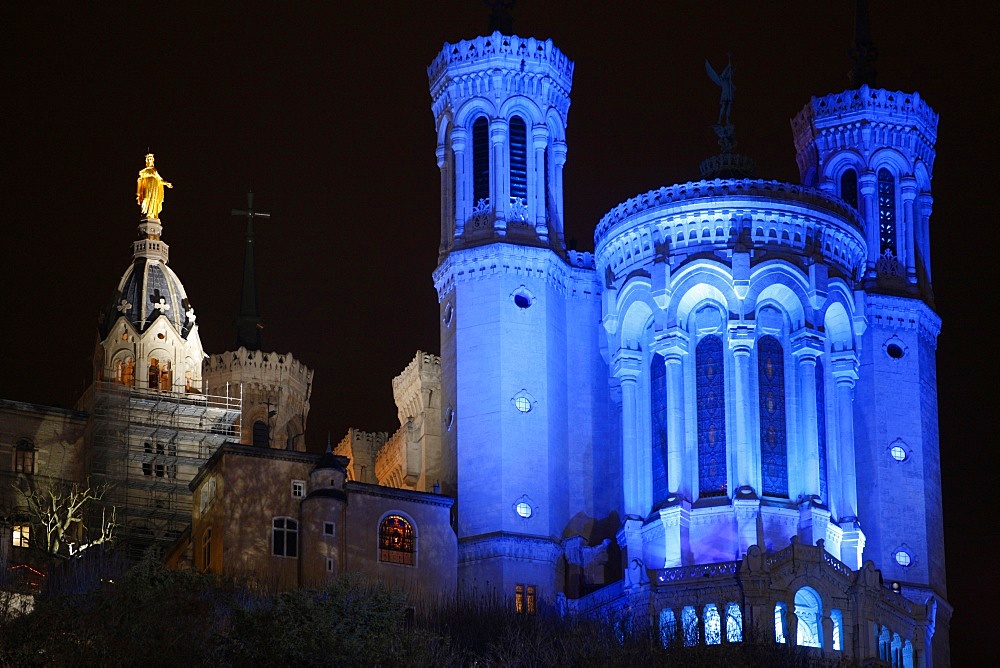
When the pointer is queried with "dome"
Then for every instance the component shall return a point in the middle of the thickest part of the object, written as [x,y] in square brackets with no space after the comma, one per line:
[148,289]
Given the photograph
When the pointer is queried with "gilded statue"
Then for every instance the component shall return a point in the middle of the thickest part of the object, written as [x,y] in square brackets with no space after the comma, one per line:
[149,190]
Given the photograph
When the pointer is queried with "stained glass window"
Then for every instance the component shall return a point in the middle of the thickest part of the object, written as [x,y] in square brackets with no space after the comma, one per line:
[821,428]
[713,625]
[518,158]
[668,626]
[849,187]
[711,390]
[734,623]
[886,212]
[779,622]
[396,541]
[689,620]
[480,160]
[658,418]
[773,444]
[809,610]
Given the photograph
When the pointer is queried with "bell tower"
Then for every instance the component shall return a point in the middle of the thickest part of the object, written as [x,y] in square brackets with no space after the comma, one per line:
[510,294]
[874,148]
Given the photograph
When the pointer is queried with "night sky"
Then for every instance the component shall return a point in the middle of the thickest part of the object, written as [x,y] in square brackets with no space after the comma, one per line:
[326,114]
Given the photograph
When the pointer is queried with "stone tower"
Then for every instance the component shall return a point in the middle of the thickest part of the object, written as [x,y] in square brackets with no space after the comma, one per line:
[874,149]
[516,315]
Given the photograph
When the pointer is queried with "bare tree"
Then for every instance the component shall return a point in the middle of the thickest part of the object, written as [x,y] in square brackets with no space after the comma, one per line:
[58,510]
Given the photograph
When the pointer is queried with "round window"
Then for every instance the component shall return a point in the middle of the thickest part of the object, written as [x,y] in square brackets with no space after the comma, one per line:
[523,508]
[903,558]
[898,453]
[894,350]
[522,404]
[522,300]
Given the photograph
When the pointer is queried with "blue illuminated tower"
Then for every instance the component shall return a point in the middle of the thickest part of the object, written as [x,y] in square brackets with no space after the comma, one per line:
[517,317]
[874,149]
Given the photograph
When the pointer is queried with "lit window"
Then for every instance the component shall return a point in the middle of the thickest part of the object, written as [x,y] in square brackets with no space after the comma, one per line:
[523,401]
[903,558]
[328,528]
[285,537]
[779,623]
[24,456]
[396,541]
[298,488]
[206,549]
[713,625]
[525,599]
[523,508]
[837,617]
[734,623]
[898,453]
[532,600]
[886,212]
[22,535]
[519,598]
[809,610]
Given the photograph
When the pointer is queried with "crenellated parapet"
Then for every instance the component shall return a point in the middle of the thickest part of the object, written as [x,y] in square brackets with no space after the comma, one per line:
[525,65]
[275,387]
[362,448]
[902,118]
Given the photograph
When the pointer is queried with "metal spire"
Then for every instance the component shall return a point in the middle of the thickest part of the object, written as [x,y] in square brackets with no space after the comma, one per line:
[249,323]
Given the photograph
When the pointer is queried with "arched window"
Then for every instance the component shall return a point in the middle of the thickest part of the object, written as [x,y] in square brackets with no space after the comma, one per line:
[849,187]
[713,625]
[734,623]
[821,429]
[261,437]
[24,456]
[711,391]
[658,405]
[154,373]
[780,623]
[773,442]
[668,627]
[886,212]
[518,138]
[809,610]
[285,537]
[480,161]
[396,541]
[689,621]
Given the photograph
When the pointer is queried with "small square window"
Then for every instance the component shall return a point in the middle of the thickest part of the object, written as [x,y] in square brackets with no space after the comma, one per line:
[22,535]
[298,488]
[328,528]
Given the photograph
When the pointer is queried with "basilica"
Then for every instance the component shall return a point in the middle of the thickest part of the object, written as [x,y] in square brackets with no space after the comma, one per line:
[681,428]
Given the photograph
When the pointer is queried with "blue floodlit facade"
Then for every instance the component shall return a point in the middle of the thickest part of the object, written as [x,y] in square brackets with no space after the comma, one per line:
[726,415]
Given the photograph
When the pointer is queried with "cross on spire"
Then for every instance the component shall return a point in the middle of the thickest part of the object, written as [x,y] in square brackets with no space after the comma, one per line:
[248,322]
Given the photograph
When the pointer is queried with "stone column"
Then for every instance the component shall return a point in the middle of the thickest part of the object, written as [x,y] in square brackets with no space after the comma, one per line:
[674,348]
[867,186]
[540,141]
[908,189]
[806,348]
[741,341]
[499,195]
[845,373]
[627,366]
[558,160]
[446,216]
[462,206]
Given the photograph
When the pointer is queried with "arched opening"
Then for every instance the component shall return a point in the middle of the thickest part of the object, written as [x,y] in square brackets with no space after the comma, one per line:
[809,610]
[734,623]
[261,435]
[849,187]
[518,141]
[773,436]
[780,623]
[713,625]
[668,627]
[480,161]
[396,541]
[886,212]
[689,621]
[658,421]
[711,390]
[821,429]
[837,642]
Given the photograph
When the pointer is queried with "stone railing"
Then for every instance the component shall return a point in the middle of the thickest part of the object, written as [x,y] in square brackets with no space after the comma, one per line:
[892,103]
[697,572]
[515,49]
[719,189]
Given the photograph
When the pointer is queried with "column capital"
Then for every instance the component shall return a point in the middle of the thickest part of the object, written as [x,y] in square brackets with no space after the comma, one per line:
[867,182]
[559,151]
[626,364]
[498,130]
[807,345]
[926,202]
[458,137]
[844,367]
[540,135]
[440,155]
[673,344]
[741,336]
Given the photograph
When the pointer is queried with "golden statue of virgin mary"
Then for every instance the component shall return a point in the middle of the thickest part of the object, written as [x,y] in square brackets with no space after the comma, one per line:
[149,190]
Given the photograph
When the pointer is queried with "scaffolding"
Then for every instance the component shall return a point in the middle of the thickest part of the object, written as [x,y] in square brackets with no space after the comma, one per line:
[147,446]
